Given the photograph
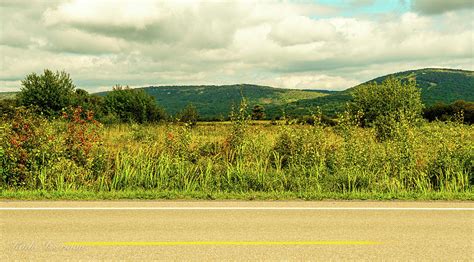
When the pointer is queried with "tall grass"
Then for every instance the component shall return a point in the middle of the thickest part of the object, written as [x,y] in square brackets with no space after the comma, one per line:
[239,158]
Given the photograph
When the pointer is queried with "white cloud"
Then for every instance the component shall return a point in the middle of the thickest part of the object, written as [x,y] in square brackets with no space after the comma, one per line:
[285,44]
[106,13]
[312,81]
[301,30]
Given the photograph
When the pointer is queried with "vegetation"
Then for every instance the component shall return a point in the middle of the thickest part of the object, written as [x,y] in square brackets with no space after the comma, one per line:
[214,102]
[458,111]
[189,115]
[258,112]
[50,92]
[193,195]
[439,85]
[385,106]
[75,153]
[7,107]
[436,86]
[378,148]
[7,95]
[133,106]
[89,102]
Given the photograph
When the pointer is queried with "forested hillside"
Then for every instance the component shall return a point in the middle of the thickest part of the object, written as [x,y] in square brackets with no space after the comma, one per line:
[440,85]
[437,86]
[214,102]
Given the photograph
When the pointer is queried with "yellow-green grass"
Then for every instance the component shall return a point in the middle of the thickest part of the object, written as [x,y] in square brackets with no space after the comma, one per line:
[429,161]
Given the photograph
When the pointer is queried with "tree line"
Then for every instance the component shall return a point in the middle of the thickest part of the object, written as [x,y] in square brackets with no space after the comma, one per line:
[51,93]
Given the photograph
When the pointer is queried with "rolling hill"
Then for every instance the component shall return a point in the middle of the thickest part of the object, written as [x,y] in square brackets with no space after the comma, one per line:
[436,84]
[439,85]
[216,101]
[212,101]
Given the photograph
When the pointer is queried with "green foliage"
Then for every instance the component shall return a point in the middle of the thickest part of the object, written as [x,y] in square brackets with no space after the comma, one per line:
[301,159]
[450,112]
[7,107]
[88,102]
[37,153]
[258,112]
[212,102]
[131,105]
[76,153]
[8,95]
[385,105]
[27,143]
[436,85]
[82,135]
[189,115]
[239,121]
[50,92]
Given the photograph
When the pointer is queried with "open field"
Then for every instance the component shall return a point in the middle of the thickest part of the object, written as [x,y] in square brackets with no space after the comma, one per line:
[232,230]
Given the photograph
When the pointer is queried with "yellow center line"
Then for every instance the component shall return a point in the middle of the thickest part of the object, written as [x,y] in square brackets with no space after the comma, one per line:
[219,243]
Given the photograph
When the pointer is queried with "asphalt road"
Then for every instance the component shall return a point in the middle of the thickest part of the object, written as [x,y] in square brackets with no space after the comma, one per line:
[210,231]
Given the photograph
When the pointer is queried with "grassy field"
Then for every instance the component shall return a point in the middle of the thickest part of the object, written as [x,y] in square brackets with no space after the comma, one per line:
[81,159]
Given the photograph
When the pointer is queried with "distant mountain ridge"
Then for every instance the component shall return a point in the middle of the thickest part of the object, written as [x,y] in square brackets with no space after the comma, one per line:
[215,101]
[438,85]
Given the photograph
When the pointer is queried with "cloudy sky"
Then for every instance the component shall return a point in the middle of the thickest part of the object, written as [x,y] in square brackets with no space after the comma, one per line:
[293,44]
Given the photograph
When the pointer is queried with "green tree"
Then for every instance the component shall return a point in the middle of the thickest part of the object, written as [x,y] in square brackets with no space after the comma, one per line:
[50,92]
[88,102]
[443,112]
[386,104]
[132,105]
[258,112]
[189,115]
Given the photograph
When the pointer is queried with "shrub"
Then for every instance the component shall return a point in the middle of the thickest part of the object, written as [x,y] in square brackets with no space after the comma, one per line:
[51,92]
[239,121]
[33,150]
[178,143]
[384,105]
[258,112]
[27,143]
[87,102]
[445,112]
[82,136]
[189,115]
[132,105]
[7,107]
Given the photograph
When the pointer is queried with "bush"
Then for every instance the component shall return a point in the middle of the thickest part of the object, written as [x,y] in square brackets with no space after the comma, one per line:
[50,92]
[7,107]
[34,152]
[132,105]
[87,102]
[384,105]
[258,112]
[189,115]
[443,112]
[27,143]
[239,121]
[82,135]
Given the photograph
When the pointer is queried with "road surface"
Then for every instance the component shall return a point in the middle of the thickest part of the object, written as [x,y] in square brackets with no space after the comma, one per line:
[236,230]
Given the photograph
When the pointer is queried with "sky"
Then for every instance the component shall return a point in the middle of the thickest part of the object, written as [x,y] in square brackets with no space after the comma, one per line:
[299,44]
